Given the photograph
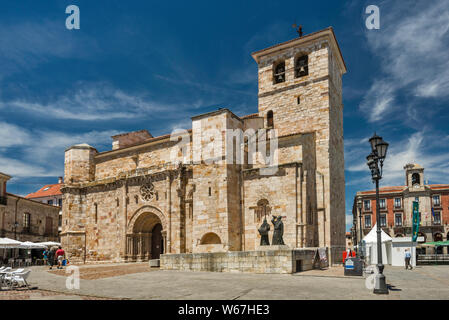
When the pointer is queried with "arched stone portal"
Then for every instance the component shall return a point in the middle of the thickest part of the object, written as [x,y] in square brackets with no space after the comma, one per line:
[145,237]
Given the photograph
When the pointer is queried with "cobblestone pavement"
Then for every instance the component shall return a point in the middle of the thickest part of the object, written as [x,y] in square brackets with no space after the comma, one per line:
[98,271]
[25,294]
[426,282]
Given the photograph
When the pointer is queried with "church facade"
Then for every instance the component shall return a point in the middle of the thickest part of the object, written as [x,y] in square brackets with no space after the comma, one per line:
[209,188]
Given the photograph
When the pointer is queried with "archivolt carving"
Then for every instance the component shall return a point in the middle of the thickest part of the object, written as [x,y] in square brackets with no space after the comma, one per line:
[143,211]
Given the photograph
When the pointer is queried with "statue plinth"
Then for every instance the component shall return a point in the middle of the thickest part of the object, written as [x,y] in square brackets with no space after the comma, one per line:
[273,247]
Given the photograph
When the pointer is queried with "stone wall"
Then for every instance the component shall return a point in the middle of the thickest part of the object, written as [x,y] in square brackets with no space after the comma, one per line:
[282,260]
[319,110]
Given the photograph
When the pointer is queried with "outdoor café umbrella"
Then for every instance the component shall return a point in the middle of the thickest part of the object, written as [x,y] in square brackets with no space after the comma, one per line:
[32,245]
[49,243]
[6,243]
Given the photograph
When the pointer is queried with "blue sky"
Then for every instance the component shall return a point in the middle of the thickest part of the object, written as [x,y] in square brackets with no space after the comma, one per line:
[152,65]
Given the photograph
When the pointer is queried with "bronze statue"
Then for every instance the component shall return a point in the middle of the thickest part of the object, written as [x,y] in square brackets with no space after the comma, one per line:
[278,231]
[263,230]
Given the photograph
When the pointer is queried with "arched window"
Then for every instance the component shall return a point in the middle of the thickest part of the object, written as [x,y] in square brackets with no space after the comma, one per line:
[416,179]
[210,238]
[279,72]
[302,66]
[270,123]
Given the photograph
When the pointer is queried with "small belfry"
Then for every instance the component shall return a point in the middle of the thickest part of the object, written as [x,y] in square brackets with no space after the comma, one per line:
[149,207]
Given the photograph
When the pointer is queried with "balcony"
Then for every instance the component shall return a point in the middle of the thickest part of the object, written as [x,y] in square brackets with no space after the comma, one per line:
[3,201]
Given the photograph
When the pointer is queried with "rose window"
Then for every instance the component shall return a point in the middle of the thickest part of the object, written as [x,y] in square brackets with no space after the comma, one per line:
[147,192]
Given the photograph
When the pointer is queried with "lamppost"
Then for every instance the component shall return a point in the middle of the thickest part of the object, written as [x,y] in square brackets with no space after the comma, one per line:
[359,206]
[354,232]
[375,162]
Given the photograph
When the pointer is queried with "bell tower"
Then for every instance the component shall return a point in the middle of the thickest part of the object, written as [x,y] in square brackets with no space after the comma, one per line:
[300,90]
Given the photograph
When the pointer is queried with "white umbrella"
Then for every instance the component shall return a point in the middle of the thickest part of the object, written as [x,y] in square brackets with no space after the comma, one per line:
[49,243]
[31,245]
[6,243]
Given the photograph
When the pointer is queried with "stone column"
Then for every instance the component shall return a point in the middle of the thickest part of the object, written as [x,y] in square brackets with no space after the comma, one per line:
[164,237]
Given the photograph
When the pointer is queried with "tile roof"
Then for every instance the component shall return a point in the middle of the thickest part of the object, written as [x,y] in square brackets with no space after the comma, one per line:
[46,191]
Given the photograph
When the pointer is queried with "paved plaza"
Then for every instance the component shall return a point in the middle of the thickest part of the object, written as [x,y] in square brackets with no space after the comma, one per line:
[139,281]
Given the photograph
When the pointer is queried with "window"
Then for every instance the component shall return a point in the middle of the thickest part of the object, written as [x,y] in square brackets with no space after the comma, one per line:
[210,191]
[50,202]
[367,221]
[417,199]
[383,220]
[298,99]
[96,212]
[279,72]
[415,179]
[367,205]
[302,66]
[48,225]
[397,202]
[270,119]
[26,222]
[437,218]
[382,203]
[436,201]
[398,220]
[60,202]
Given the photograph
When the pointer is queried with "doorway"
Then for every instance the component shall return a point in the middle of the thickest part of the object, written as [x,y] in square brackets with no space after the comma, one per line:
[157,242]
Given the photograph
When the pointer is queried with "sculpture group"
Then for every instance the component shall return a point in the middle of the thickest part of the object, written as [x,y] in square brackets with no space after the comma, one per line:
[277,233]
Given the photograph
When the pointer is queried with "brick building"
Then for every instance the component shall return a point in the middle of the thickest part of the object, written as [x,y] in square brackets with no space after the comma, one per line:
[396,207]
[24,219]
[134,202]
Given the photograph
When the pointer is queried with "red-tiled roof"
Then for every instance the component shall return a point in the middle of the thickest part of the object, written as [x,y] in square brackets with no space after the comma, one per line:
[46,191]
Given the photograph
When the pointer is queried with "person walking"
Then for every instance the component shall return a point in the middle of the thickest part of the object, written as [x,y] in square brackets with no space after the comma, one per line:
[60,255]
[408,256]
[45,256]
[51,257]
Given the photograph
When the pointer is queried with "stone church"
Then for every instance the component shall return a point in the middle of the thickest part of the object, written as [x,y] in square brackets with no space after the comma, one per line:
[134,203]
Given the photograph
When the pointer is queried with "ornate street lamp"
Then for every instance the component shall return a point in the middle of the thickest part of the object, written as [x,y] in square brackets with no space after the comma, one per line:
[373,160]
[359,206]
[354,232]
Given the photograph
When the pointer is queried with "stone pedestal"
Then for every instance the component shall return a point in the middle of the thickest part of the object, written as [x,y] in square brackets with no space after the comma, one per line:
[272,259]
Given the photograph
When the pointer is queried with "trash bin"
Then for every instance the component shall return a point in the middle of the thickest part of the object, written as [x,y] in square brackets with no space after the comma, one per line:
[64,262]
[353,267]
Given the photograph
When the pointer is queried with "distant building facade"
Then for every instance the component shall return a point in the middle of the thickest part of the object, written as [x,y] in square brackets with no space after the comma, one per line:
[24,219]
[396,211]
[50,194]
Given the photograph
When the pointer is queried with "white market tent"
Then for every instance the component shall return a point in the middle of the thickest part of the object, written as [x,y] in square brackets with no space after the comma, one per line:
[371,246]
[6,243]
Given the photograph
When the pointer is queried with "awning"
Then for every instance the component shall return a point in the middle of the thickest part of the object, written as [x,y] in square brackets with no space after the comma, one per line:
[436,243]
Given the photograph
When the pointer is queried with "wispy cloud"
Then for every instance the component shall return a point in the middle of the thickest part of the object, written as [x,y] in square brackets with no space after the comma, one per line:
[91,102]
[28,44]
[420,147]
[413,44]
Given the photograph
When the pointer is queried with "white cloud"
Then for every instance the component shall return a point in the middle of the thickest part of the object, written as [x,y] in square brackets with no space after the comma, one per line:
[413,44]
[92,102]
[422,147]
[11,135]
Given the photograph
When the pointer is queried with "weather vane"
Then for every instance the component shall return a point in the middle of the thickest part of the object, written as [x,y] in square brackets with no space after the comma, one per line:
[298,29]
